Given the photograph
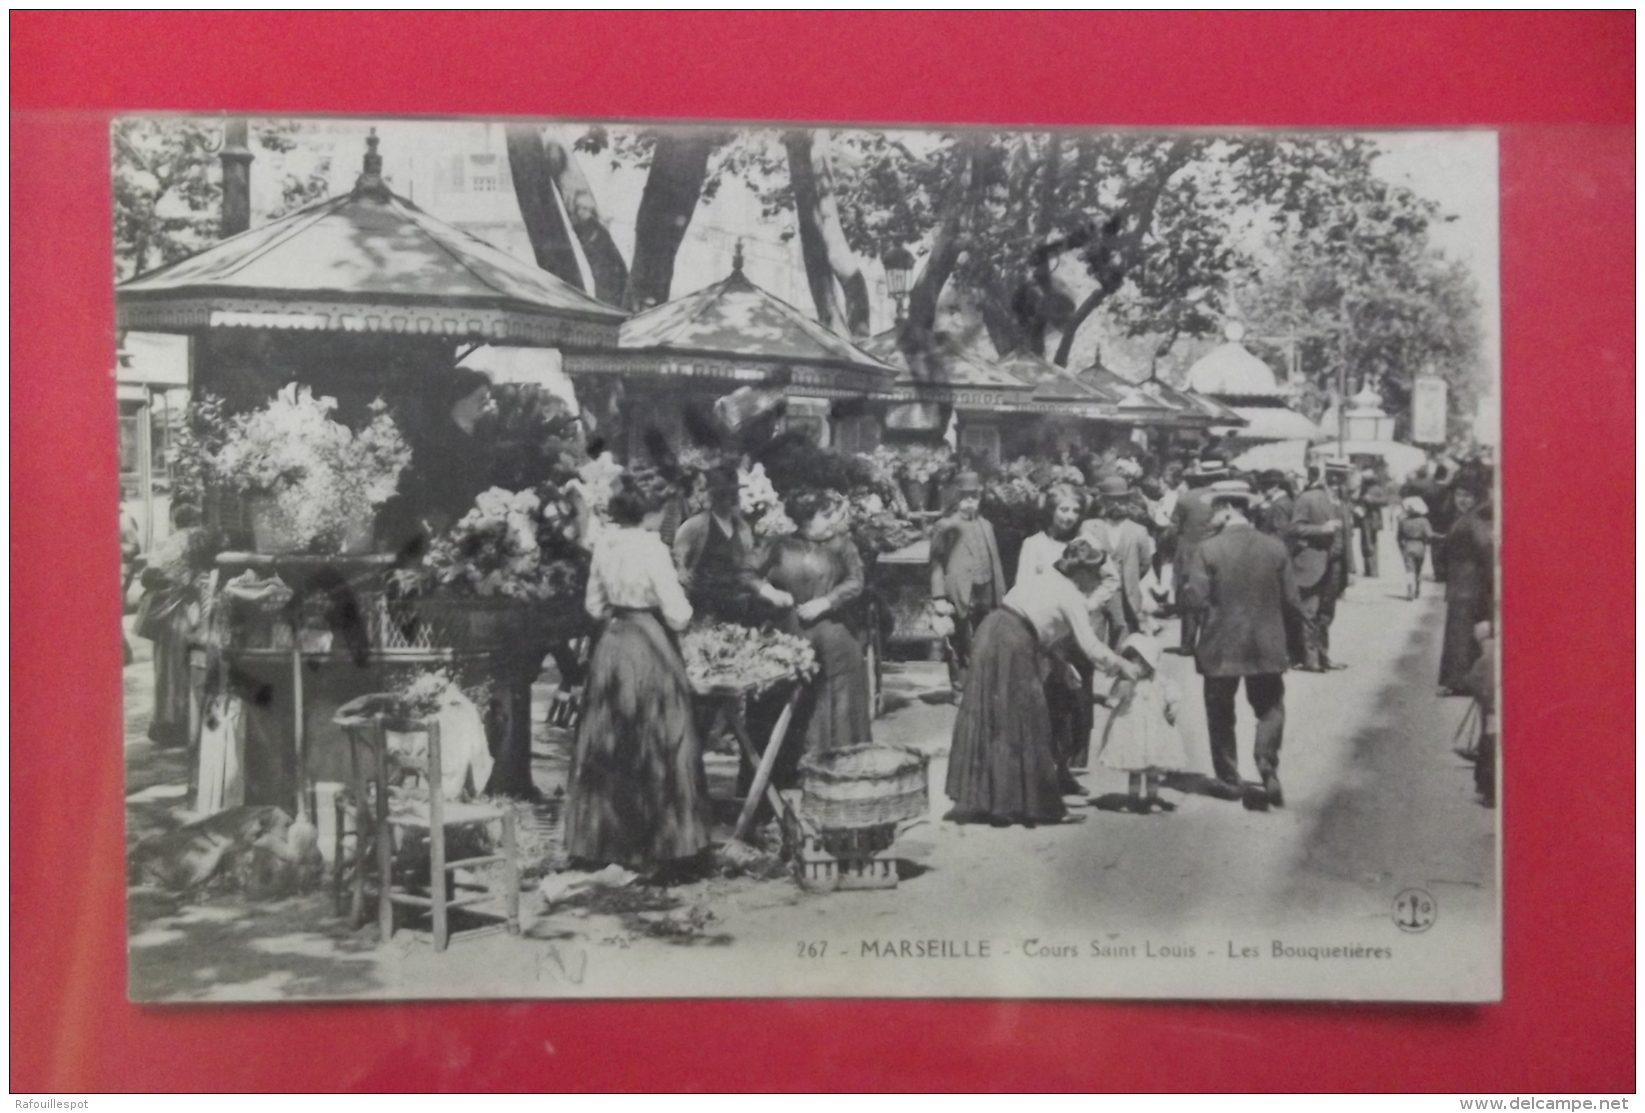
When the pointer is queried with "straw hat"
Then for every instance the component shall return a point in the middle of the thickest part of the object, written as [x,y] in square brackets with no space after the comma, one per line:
[1145,647]
[1231,490]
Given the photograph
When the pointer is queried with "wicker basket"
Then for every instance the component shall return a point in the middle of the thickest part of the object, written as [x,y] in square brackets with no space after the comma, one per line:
[495,623]
[863,786]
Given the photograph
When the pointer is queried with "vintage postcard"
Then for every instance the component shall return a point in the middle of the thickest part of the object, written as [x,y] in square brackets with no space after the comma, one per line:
[609,559]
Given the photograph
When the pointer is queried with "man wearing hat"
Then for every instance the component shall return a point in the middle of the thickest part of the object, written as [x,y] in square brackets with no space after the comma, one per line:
[1130,546]
[1242,582]
[1191,525]
[967,575]
[1318,538]
[714,552]
[1271,513]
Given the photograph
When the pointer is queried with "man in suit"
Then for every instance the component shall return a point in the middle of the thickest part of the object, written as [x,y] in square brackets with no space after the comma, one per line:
[1318,541]
[1191,526]
[967,576]
[1272,513]
[1243,585]
[1130,547]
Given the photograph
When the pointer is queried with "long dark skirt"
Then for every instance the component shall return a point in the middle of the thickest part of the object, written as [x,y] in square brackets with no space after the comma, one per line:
[170,724]
[1002,766]
[638,794]
[1465,604]
[833,712]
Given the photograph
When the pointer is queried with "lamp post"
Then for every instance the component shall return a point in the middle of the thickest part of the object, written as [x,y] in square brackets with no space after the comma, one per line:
[899,268]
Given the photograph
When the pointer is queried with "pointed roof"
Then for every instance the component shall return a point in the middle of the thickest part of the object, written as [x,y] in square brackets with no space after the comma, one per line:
[942,362]
[1230,369]
[369,260]
[1052,383]
[737,331]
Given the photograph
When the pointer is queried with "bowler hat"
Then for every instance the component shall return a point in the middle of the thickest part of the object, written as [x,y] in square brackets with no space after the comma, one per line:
[1114,487]
[966,483]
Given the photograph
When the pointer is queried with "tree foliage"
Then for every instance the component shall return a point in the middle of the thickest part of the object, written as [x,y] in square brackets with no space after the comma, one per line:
[168,185]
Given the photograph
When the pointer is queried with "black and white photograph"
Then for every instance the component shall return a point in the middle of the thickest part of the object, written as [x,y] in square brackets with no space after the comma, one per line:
[846,560]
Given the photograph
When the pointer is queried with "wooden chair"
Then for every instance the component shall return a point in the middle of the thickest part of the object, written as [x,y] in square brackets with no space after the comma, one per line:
[374,824]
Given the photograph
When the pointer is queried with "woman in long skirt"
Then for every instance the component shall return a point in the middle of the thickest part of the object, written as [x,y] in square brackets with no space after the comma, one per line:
[818,574]
[169,616]
[1003,767]
[638,795]
[1470,554]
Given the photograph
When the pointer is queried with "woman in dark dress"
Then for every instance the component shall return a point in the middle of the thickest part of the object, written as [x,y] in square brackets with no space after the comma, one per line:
[638,793]
[1003,766]
[816,576]
[169,616]
[1470,557]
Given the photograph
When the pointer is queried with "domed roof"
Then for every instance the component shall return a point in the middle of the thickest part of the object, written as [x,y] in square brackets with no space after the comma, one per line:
[1230,369]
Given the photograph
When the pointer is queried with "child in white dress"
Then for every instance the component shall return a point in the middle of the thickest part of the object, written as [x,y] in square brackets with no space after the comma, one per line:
[1141,736]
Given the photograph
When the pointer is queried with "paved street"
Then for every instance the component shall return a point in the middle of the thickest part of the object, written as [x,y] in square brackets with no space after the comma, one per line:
[1376,803]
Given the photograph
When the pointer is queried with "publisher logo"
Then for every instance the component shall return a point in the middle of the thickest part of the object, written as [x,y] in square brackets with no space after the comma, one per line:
[1415,910]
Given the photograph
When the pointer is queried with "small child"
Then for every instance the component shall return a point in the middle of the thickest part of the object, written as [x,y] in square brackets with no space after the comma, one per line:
[1141,736]
[1415,535]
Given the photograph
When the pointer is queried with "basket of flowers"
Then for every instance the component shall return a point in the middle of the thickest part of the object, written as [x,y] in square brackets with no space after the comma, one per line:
[726,657]
[509,571]
[310,484]
[863,786]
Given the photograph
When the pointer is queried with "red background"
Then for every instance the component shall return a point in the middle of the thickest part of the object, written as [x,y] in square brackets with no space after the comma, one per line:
[1567,1023]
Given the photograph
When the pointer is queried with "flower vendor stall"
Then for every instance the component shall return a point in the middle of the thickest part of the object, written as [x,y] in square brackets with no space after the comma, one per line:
[939,382]
[673,362]
[333,445]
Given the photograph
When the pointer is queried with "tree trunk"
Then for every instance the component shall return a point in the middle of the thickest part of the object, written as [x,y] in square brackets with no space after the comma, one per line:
[828,258]
[528,163]
[1081,312]
[818,274]
[605,262]
[679,165]
[946,245]
[1125,232]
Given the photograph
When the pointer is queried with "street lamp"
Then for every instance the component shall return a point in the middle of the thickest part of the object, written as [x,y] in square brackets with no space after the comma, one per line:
[899,268]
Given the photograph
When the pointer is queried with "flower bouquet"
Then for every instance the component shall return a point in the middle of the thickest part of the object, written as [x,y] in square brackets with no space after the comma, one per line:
[722,656]
[512,545]
[316,483]
[877,528]
[488,581]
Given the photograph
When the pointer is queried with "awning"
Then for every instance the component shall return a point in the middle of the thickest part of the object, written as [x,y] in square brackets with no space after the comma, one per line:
[1274,423]
[941,372]
[737,333]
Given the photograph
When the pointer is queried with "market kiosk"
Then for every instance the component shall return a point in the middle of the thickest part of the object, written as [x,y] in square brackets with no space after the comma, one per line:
[357,298]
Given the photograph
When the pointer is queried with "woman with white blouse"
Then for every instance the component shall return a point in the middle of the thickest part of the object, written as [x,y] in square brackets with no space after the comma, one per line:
[638,794]
[1003,766]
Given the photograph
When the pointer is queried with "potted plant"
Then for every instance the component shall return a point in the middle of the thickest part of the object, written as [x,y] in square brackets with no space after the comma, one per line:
[311,483]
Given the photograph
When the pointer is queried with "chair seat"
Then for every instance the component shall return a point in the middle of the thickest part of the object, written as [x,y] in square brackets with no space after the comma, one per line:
[415,814]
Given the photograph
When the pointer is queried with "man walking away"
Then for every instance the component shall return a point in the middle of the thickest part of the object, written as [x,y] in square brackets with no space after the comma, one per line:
[1317,547]
[1373,496]
[1243,584]
[1191,525]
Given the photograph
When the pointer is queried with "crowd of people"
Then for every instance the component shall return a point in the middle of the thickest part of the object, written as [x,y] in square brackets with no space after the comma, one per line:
[1252,565]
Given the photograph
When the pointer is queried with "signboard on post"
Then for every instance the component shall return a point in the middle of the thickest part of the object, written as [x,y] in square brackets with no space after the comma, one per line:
[1428,397]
